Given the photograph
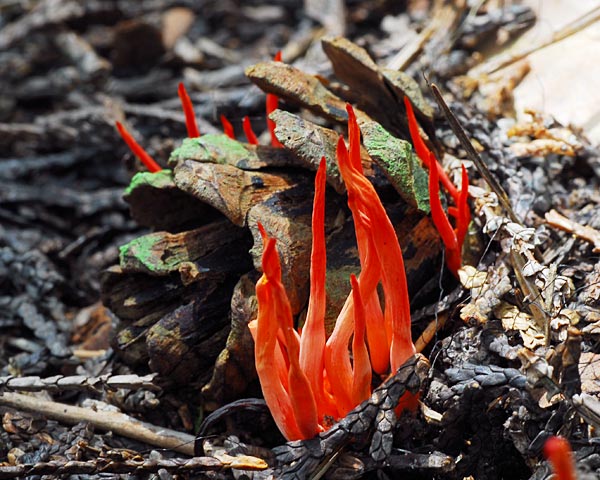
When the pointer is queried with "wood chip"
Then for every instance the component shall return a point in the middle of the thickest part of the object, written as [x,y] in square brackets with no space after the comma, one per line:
[589,234]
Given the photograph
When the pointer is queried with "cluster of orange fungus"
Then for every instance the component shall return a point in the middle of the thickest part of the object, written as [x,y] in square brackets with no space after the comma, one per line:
[558,451]
[452,237]
[309,380]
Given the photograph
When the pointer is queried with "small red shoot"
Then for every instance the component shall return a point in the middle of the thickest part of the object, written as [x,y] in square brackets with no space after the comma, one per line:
[423,152]
[250,135]
[227,127]
[453,238]
[137,150]
[188,110]
[558,451]
[272,103]
[441,222]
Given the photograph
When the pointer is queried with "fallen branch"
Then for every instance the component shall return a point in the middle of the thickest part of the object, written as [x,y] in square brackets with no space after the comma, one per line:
[117,423]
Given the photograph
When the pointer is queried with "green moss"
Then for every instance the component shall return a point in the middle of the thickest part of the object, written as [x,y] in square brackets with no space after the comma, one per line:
[141,251]
[161,179]
[213,148]
[400,164]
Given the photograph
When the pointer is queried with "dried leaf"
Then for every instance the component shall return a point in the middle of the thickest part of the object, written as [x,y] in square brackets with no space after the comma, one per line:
[488,295]
[589,371]
[559,140]
[471,312]
[298,88]
[382,90]
[541,148]
[513,319]
[470,277]
[309,142]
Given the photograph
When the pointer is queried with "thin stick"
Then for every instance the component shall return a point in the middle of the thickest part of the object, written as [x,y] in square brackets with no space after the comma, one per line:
[434,326]
[118,423]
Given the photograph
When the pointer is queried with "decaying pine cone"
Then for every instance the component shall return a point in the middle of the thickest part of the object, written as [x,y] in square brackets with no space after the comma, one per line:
[182,290]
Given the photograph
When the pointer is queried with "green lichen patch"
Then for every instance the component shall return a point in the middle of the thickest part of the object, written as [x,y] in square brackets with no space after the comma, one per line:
[211,148]
[400,164]
[161,179]
[144,253]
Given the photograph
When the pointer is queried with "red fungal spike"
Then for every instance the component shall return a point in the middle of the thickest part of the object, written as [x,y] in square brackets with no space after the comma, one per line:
[558,451]
[441,222]
[137,150]
[271,104]
[354,139]
[270,364]
[424,153]
[188,110]
[250,135]
[413,127]
[464,213]
[363,199]
[361,370]
[312,340]
[227,127]
[337,357]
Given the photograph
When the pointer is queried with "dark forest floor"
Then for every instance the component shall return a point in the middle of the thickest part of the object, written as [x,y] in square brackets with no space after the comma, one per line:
[129,300]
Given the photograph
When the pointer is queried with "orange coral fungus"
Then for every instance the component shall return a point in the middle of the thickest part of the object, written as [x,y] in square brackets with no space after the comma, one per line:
[306,379]
[188,110]
[453,238]
[137,150]
[558,451]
